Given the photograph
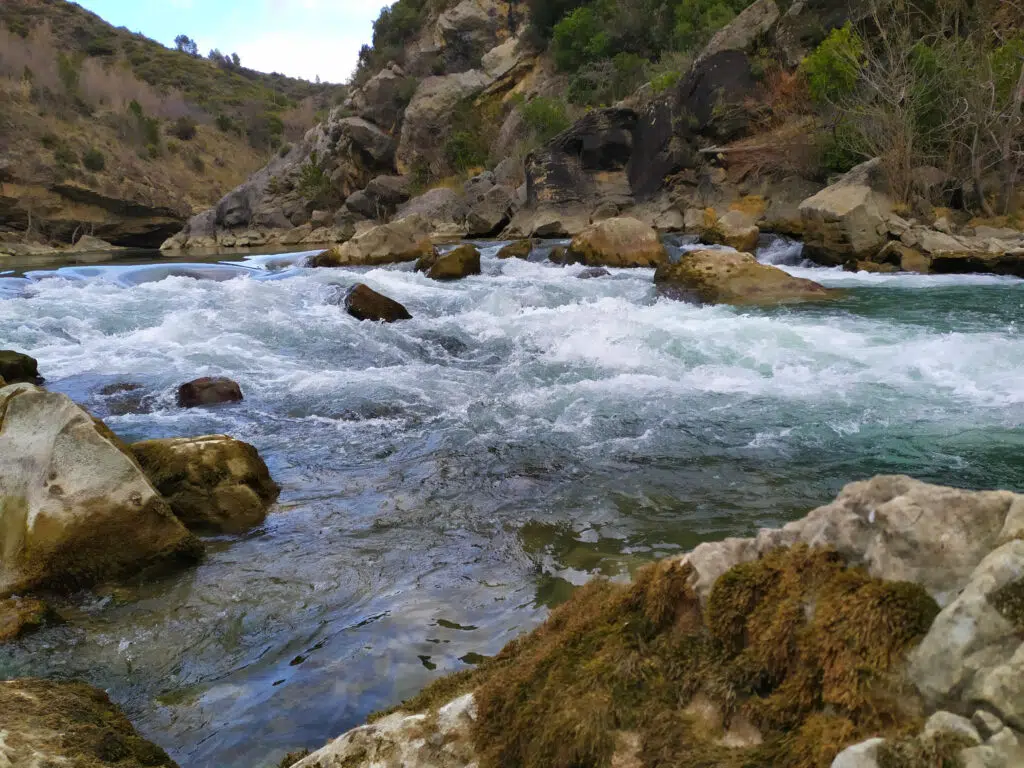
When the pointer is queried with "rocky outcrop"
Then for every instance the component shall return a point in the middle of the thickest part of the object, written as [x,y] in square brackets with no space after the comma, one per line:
[364,303]
[46,723]
[455,265]
[213,484]
[730,277]
[618,242]
[442,207]
[16,368]
[209,390]
[490,206]
[521,249]
[743,31]
[75,508]
[406,239]
[381,197]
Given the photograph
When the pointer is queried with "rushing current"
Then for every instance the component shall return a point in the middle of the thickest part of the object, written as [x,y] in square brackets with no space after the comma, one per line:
[449,478]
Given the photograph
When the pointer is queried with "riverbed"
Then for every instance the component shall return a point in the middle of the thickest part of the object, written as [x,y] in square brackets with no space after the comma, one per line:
[449,478]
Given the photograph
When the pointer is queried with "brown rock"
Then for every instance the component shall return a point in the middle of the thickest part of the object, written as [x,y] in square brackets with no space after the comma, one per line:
[460,263]
[364,303]
[592,272]
[869,266]
[560,255]
[16,368]
[726,277]
[209,391]
[735,229]
[520,249]
[907,259]
[21,615]
[404,240]
[619,242]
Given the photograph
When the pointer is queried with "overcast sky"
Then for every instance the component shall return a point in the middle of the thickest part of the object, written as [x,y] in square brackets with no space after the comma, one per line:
[302,38]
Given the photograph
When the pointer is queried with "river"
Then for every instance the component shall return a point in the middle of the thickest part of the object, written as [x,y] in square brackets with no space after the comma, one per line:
[449,478]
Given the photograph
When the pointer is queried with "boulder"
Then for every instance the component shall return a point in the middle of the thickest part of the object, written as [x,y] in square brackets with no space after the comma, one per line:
[728,277]
[742,32]
[548,223]
[462,262]
[75,508]
[90,244]
[47,723]
[735,229]
[383,97]
[209,390]
[490,212]
[406,239]
[364,303]
[559,254]
[213,484]
[901,257]
[863,755]
[592,272]
[443,208]
[847,220]
[16,368]
[21,615]
[521,249]
[619,242]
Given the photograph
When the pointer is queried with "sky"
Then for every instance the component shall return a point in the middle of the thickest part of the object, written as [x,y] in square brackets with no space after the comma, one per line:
[301,38]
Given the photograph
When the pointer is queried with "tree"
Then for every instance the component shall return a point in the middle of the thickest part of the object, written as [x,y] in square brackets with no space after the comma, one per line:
[236,61]
[186,44]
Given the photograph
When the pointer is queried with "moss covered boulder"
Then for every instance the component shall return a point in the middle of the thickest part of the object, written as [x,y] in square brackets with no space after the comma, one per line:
[46,723]
[213,483]
[462,262]
[17,368]
[400,241]
[728,277]
[75,508]
[618,242]
[521,249]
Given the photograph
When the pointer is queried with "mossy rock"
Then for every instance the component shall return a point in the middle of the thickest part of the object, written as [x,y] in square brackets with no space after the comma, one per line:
[462,262]
[18,368]
[21,615]
[521,249]
[619,242]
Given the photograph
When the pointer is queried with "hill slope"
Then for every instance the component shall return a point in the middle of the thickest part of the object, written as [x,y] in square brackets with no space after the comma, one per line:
[106,132]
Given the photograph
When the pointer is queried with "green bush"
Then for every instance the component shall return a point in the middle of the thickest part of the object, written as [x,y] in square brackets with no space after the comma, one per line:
[545,117]
[697,20]
[832,70]
[94,160]
[314,185]
[69,72]
[464,150]
[225,124]
[580,38]
[65,156]
[184,128]
[665,82]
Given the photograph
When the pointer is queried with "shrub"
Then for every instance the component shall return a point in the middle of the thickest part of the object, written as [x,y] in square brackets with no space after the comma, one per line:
[314,185]
[69,72]
[65,156]
[545,117]
[284,149]
[225,124]
[184,128]
[49,140]
[832,70]
[579,38]
[197,164]
[665,82]
[94,160]
[464,150]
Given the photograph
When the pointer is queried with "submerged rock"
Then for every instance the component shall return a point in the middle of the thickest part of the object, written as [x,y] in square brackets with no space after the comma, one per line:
[17,368]
[728,277]
[75,508]
[592,272]
[619,242]
[209,391]
[521,249]
[462,262]
[46,723]
[364,303]
[213,483]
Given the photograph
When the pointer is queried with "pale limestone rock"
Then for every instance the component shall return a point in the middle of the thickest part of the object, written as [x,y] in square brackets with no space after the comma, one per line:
[619,242]
[947,722]
[744,30]
[863,755]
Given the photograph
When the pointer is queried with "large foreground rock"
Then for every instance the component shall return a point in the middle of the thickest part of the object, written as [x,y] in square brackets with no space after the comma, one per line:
[213,483]
[75,508]
[619,242]
[407,239]
[730,277]
[72,725]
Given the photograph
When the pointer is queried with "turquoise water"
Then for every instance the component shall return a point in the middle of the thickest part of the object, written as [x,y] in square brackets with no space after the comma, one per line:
[448,478]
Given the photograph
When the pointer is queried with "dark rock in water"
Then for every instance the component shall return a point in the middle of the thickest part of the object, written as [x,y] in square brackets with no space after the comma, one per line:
[126,397]
[520,249]
[119,388]
[560,255]
[72,724]
[209,391]
[18,368]
[21,615]
[460,263]
[364,303]
[592,272]
[213,483]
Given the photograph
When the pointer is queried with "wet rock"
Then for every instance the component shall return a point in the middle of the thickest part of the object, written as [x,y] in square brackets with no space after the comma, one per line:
[75,508]
[46,723]
[364,303]
[400,241]
[521,249]
[16,368]
[869,266]
[21,615]
[735,229]
[728,277]
[592,272]
[560,255]
[209,390]
[462,262]
[213,483]
[619,242]
[396,741]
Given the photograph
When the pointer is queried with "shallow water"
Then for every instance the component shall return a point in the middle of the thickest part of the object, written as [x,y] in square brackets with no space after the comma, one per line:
[448,478]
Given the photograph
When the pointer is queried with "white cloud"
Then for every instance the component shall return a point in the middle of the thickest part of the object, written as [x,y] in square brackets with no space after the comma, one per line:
[333,57]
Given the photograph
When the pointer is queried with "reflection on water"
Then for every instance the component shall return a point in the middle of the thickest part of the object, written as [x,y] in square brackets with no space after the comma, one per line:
[449,478]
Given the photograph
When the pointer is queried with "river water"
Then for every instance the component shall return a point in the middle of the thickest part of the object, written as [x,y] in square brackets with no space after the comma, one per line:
[447,479]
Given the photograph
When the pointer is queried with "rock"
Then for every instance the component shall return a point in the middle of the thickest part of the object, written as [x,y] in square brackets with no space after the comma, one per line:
[869,266]
[16,368]
[90,244]
[364,303]
[462,262]
[47,723]
[986,723]
[863,755]
[442,207]
[694,220]
[606,210]
[619,242]
[592,272]
[490,212]
[509,173]
[901,257]
[559,254]
[397,741]
[946,722]
[741,33]
[735,229]
[359,202]
[728,277]
[521,249]
[406,239]
[213,483]
[388,191]
[382,98]
[209,390]
[19,616]
[321,219]
[548,223]
[942,224]
[75,508]
[848,219]
[712,97]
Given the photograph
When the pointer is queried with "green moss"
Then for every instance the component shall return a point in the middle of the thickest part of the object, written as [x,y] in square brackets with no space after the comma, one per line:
[1009,601]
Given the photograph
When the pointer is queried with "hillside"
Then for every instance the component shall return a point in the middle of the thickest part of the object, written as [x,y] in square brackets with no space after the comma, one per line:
[106,132]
